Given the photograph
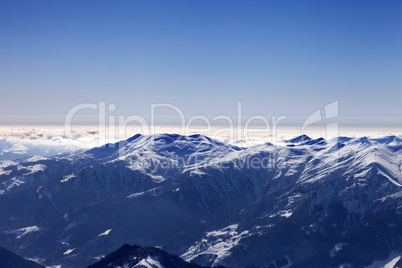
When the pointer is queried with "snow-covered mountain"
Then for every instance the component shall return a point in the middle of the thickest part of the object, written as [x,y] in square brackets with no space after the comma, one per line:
[139,257]
[304,203]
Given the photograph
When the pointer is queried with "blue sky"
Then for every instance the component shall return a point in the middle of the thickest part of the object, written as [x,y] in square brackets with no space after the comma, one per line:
[277,57]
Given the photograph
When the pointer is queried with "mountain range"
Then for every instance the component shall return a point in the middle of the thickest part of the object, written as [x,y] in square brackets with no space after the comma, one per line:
[301,203]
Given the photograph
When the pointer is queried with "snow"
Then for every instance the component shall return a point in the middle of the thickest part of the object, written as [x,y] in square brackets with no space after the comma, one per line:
[105,232]
[68,251]
[336,249]
[284,213]
[64,241]
[150,191]
[4,164]
[33,169]
[227,230]
[264,226]
[36,158]
[388,263]
[293,199]
[217,243]
[149,262]
[13,182]
[136,195]
[345,265]
[98,258]
[197,171]
[23,231]
[389,178]
[157,178]
[392,263]
[37,260]
[66,178]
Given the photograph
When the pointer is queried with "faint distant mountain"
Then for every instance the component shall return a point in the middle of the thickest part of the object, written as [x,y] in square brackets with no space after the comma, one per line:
[11,260]
[149,257]
[303,203]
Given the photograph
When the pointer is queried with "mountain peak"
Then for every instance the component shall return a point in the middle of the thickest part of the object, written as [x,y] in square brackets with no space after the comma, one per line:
[300,139]
[136,136]
[136,256]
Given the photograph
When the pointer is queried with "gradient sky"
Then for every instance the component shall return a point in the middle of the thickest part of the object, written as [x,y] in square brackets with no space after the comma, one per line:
[277,57]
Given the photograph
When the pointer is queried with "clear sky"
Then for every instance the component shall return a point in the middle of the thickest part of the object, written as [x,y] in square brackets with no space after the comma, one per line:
[277,57]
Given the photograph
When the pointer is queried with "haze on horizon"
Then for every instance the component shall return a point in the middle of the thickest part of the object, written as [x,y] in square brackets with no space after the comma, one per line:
[278,58]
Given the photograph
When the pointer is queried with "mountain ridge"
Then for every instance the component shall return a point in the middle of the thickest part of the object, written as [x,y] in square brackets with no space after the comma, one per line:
[11,260]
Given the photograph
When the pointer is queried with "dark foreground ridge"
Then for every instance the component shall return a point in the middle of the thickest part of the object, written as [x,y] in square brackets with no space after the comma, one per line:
[136,256]
[11,260]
